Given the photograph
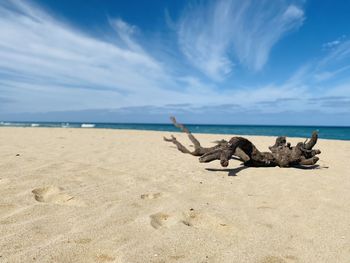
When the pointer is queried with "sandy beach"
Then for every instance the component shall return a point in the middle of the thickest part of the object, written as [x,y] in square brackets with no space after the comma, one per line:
[90,195]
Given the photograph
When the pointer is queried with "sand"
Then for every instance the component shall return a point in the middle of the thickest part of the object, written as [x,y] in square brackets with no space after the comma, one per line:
[89,195]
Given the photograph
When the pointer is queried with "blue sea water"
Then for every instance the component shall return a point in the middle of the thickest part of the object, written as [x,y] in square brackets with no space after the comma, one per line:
[325,132]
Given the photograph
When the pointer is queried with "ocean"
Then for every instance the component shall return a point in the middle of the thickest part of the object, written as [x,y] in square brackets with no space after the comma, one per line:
[325,132]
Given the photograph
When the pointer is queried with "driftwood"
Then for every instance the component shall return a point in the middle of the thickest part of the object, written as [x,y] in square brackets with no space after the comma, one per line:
[281,154]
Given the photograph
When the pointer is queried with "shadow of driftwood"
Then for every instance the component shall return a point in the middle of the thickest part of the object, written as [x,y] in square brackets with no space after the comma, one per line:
[310,167]
[235,171]
[231,172]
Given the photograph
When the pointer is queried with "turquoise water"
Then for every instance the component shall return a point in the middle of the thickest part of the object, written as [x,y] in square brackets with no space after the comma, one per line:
[338,133]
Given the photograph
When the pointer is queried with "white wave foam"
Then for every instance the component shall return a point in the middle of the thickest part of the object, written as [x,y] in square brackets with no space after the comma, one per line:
[87,125]
[7,123]
[35,125]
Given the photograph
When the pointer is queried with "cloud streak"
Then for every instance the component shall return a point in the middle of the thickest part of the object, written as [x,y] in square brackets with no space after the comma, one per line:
[212,36]
[340,53]
[41,57]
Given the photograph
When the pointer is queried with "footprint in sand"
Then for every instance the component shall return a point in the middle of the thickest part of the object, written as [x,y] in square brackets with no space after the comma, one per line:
[151,196]
[159,220]
[54,195]
[204,220]
[189,218]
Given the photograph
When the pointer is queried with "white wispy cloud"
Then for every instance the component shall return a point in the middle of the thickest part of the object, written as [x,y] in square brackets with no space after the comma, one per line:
[332,44]
[41,57]
[326,75]
[210,36]
[339,53]
[334,63]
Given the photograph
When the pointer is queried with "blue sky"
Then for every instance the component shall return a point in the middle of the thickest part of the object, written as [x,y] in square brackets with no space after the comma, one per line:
[239,62]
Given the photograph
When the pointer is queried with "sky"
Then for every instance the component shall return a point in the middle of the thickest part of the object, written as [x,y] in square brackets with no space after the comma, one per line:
[221,62]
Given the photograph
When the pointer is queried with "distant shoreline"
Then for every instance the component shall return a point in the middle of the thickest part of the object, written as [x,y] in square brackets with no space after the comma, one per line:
[5,122]
[333,133]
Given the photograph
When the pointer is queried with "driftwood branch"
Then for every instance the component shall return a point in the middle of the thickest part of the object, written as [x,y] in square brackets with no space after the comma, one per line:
[281,154]
[198,149]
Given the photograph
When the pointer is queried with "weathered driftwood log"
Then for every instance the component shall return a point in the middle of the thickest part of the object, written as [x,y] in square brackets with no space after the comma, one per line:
[282,154]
